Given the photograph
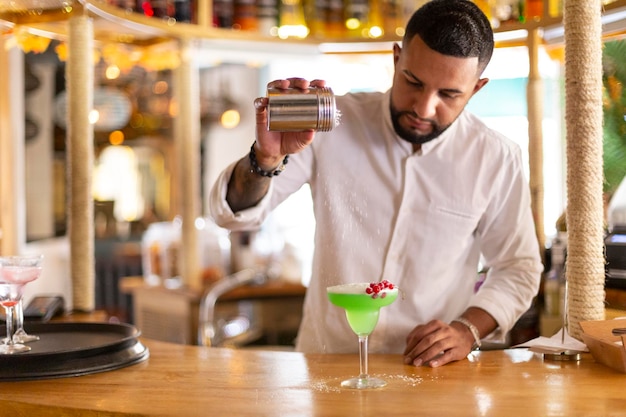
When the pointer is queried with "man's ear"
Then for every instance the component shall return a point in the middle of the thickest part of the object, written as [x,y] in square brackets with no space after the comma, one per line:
[396,53]
[480,84]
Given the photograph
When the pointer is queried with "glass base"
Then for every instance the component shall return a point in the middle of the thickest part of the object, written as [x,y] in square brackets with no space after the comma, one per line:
[363,383]
[22,337]
[14,348]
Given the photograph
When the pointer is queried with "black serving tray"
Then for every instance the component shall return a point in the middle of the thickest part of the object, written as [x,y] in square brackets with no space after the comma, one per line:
[73,349]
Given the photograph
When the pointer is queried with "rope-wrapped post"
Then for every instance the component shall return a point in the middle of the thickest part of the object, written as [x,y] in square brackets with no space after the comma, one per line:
[188,144]
[583,117]
[80,156]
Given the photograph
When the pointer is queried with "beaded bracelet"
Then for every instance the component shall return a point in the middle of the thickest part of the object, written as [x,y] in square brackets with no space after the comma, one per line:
[256,168]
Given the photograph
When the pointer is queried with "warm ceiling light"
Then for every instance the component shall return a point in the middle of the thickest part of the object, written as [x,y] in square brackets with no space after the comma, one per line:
[116,137]
[94,116]
[160,87]
[112,72]
[230,119]
[375,32]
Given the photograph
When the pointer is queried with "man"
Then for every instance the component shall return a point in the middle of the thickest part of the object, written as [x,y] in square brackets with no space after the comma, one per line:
[411,188]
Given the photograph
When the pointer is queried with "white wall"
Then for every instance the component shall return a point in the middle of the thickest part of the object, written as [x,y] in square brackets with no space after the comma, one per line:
[55,277]
[39,155]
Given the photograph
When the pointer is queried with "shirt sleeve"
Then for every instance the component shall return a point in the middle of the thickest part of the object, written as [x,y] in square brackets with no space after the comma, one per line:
[510,250]
[220,211]
[298,172]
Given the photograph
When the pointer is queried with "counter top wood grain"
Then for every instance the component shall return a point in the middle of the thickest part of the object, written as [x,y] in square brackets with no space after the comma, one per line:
[180,380]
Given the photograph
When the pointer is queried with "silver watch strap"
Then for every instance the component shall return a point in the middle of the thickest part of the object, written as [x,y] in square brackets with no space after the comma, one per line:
[473,330]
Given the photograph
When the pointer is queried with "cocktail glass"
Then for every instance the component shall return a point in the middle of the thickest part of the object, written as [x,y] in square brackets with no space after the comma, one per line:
[15,273]
[362,311]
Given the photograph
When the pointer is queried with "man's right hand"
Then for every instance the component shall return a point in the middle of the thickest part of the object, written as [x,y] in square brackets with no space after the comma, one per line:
[246,187]
[271,147]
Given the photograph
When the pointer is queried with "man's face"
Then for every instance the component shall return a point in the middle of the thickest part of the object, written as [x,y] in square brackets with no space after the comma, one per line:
[429,90]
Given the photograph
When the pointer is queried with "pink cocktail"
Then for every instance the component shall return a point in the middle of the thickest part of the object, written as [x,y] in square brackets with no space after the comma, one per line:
[15,273]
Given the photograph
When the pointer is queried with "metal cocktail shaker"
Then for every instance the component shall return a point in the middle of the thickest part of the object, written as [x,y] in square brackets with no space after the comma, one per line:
[294,110]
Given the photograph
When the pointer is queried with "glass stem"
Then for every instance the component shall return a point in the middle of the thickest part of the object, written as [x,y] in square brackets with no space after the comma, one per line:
[363,356]
[19,317]
[9,318]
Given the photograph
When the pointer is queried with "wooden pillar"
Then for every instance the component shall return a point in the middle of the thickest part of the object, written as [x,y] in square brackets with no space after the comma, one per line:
[205,13]
[80,155]
[534,93]
[187,139]
[12,195]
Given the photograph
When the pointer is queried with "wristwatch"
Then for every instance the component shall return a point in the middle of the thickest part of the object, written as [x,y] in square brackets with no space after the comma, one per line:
[472,329]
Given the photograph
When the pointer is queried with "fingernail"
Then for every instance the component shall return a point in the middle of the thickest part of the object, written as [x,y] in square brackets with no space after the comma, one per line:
[434,364]
[417,362]
[407,360]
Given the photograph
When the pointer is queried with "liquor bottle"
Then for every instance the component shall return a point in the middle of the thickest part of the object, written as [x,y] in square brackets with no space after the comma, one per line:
[223,11]
[245,15]
[555,8]
[325,18]
[533,10]
[267,13]
[182,10]
[144,7]
[291,20]
[334,22]
[393,24]
[486,7]
[315,15]
[375,19]
[505,11]
[159,8]
[355,18]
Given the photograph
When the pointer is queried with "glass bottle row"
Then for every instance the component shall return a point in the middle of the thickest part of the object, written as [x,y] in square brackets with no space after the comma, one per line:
[328,19]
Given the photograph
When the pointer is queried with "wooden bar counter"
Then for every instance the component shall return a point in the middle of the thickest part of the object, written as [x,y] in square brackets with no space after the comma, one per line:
[181,380]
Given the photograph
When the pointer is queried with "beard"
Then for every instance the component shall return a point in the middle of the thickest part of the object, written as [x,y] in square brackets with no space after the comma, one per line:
[410,135]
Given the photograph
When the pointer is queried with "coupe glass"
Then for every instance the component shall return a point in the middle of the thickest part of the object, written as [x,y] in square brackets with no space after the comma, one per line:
[15,273]
[362,306]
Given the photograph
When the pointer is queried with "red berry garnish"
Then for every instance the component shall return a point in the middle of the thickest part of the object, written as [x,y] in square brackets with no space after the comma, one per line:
[376,289]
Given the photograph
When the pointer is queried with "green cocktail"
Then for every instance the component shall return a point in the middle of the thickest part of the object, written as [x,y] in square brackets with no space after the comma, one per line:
[361,308]
[362,303]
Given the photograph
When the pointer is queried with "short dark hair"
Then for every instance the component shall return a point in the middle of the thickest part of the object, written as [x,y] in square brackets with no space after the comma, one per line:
[453,27]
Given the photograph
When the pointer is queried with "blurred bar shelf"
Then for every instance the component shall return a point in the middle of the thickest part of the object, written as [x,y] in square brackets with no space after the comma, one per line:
[114,24]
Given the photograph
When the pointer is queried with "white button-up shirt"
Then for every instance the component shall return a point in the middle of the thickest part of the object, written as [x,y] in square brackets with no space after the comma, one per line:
[422,220]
